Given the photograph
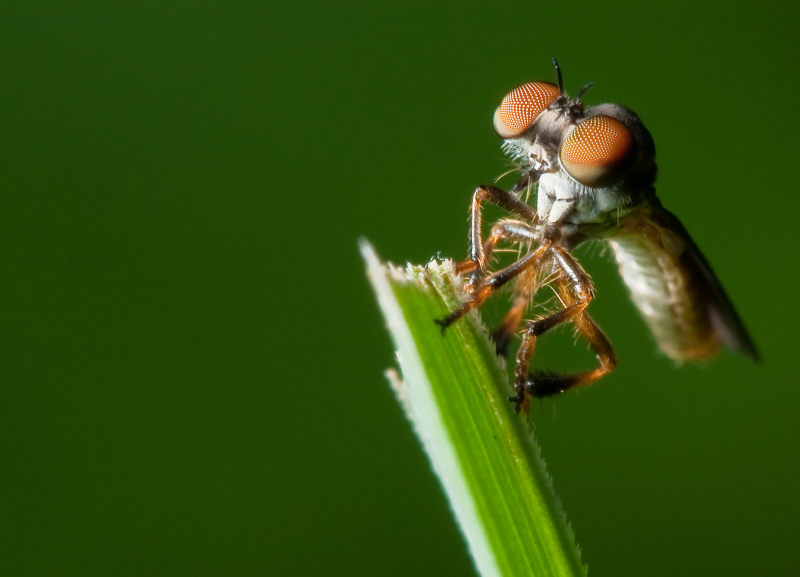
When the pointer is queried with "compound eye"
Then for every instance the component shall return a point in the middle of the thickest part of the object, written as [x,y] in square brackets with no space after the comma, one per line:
[521,106]
[598,151]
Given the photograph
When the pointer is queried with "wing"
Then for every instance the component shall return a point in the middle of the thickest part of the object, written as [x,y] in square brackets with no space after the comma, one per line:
[674,288]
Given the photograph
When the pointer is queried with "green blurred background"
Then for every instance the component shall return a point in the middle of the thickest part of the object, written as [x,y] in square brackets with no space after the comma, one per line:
[191,355]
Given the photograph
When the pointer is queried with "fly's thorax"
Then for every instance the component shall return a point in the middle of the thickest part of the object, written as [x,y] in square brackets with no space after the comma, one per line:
[581,212]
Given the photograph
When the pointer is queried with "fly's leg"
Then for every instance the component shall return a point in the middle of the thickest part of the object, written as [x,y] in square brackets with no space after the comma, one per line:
[512,230]
[576,290]
[541,384]
[518,232]
[493,282]
[526,349]
[502,334]
[476,262]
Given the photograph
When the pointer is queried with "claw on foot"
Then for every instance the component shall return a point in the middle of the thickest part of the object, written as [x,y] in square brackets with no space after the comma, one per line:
[501,341]
[442,323]
[521,401]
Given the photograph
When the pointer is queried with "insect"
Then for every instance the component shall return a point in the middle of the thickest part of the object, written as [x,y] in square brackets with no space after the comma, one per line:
[594,171]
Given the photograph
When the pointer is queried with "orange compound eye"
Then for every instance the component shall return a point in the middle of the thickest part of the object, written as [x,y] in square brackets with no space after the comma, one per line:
[598,151]
[521,106]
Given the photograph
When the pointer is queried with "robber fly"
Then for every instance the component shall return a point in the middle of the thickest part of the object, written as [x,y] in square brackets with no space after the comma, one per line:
[594,169]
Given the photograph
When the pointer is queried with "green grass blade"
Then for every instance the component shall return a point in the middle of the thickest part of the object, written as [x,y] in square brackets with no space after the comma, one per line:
[454,391]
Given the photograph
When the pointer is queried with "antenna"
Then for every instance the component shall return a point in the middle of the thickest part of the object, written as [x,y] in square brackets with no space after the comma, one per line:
[558,75]
[583,90]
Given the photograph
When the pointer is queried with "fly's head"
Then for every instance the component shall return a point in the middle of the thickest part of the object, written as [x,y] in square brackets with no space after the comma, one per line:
[532,119]
[546,132]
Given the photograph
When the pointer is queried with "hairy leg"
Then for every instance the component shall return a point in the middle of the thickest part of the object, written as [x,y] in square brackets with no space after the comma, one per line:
[576,292]
[493,282]
[476,262]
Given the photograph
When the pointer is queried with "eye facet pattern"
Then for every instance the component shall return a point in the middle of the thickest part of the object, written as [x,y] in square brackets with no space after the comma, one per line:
[598,151]
[521,106]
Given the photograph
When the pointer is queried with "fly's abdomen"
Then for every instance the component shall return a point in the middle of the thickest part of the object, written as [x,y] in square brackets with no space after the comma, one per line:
[668,290]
